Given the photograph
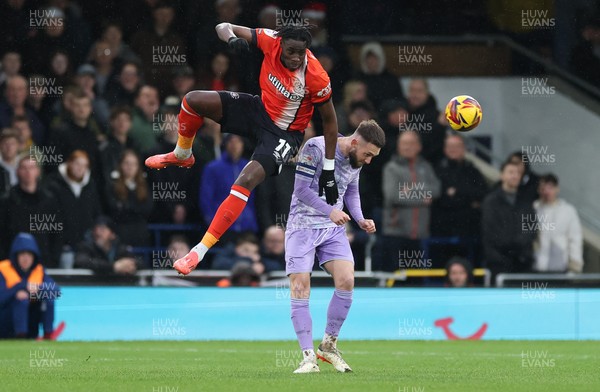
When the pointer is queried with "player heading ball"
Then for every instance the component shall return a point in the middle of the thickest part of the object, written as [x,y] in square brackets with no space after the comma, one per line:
[292,83]
[317,228]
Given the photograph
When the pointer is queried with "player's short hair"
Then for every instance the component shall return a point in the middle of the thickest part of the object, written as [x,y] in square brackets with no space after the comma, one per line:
[298,33]
[549,178]
[371,132]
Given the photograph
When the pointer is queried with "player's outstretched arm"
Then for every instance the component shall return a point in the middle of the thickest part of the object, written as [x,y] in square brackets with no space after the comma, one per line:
[238,37]
[330,132]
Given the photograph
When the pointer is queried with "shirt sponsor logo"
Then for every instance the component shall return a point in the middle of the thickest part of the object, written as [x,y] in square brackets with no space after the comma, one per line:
[281,88]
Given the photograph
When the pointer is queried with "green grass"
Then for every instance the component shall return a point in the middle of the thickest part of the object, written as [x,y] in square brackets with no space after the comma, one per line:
[399,366]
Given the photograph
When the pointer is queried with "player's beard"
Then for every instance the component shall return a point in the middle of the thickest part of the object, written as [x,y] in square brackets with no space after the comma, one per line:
[354,160]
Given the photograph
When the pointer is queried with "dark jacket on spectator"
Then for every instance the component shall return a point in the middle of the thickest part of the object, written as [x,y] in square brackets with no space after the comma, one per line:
[78,211]
[460,214]
[424,121]
[507,246]
[38,130]
[36,213]
[109,153]
[131,216]
[91,256]
[70,137]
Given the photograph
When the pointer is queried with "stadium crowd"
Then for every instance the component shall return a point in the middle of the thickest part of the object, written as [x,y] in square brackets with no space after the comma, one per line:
[85,99]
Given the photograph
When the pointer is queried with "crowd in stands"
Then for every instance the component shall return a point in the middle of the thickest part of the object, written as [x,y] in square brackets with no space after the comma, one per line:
[85,99]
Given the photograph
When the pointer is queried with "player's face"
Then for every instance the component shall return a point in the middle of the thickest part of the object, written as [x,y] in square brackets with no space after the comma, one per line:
[293,53]
[362,153]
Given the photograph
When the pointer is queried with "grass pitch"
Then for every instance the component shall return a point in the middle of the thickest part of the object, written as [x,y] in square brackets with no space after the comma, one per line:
[398,366]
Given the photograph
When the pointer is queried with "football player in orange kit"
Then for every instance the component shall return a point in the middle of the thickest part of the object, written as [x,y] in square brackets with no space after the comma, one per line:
[292,83]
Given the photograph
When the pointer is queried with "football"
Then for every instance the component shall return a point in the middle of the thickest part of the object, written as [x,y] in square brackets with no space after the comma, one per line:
[463,113]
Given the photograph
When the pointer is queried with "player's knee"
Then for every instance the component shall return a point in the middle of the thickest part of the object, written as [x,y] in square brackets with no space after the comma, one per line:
[345,282]
[300,288]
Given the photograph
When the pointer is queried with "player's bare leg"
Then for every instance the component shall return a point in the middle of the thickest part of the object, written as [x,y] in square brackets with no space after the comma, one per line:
[300,293]
[227,213]
[196,105]
[343,277]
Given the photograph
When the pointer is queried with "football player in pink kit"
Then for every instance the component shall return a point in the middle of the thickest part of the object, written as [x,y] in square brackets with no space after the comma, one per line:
[315,227]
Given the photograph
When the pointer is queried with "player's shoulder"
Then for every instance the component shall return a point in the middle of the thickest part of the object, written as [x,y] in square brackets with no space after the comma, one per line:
[314,69]
[266,33]
[317,141]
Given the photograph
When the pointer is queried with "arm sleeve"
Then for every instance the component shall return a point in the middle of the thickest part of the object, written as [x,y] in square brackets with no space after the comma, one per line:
[352,200]
[310,157]
[265,39]
[320,84]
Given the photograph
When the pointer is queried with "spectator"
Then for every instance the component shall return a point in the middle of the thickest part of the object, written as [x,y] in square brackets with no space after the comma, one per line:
[60,68]
[559,245]
[44,94]
[458,210]
[15,105]
[104,253]
[144,116]
[507,246]
[246,249]
[381,84]
[528,187]
[359,111]
[118,140]
[178,247]
[9,149]
[75,190]
[242,275]
[409,188]
[354,91]
[183,81]
[273,249]
[10,66]
[86,79]
[48,40]
[585,57]
[21,125]
[394,112]
[112,35]
[267,17]
[103,60]
[27,293]
[80,132]
[122,89]
[424,116]
[217,179]
[32,209]
[16,16]
[221,76]
[459,273]
[129,201]
[161,39]
[315,14]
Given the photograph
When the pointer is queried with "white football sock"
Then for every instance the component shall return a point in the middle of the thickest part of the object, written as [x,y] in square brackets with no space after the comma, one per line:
[182,153]
[200,250]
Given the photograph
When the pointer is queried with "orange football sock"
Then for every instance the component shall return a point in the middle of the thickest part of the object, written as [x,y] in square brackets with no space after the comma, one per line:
[189,123]
[227,213]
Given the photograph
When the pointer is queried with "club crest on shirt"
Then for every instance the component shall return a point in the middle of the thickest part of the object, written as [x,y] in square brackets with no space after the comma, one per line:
[234,95]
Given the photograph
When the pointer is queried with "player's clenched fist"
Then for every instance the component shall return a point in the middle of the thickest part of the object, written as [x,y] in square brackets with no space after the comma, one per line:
[238,45]
[367,225]
[339,217]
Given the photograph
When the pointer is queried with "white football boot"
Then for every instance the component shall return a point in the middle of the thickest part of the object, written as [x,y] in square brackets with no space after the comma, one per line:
[308,365]
[332,355]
